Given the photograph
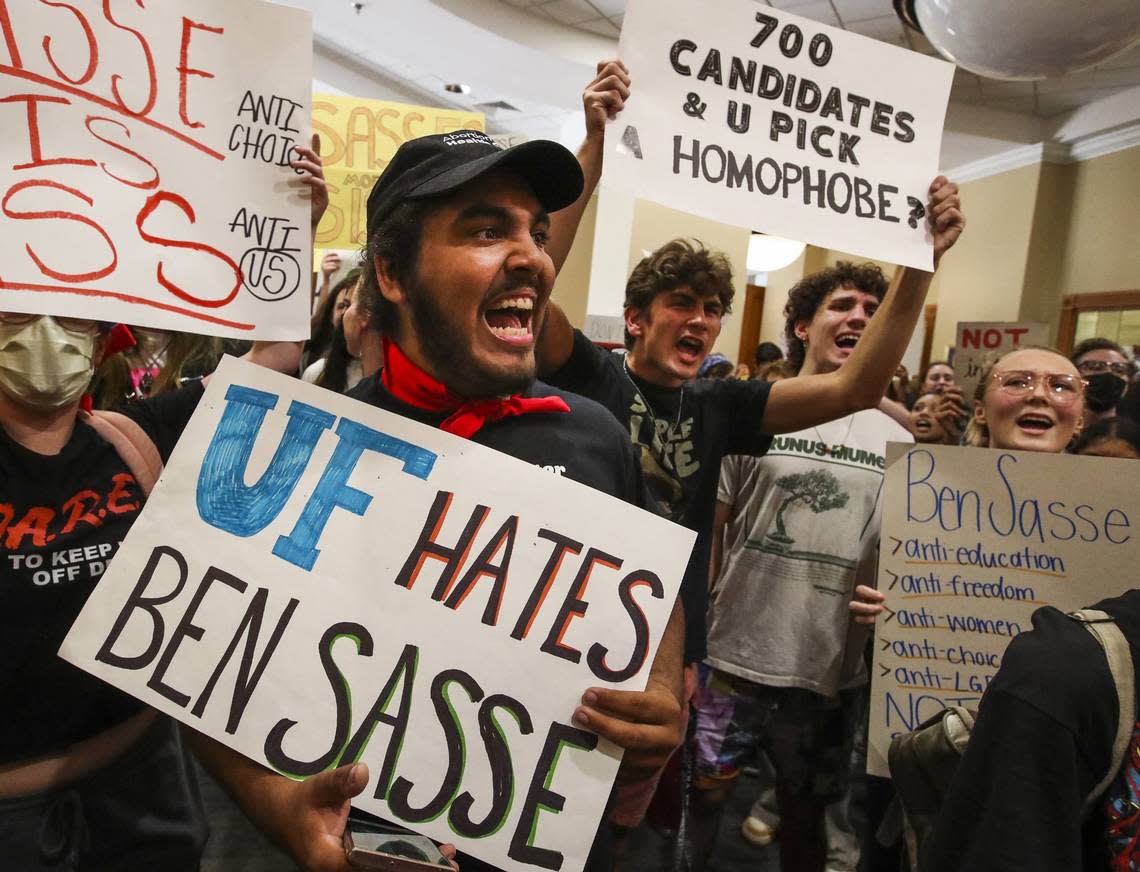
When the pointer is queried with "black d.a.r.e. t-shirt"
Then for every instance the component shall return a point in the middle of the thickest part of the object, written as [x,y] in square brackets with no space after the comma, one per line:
[62,518]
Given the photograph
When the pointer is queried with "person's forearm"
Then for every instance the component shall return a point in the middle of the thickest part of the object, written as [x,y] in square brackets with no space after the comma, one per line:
[872,364]
[555,341]
[281,356]
[895,410]
[716,555]
[259,791]
[564,223]
[668,666]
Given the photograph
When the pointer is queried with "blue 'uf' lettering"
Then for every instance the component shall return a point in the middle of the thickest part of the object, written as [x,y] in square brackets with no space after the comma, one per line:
[333,490]
[224,499]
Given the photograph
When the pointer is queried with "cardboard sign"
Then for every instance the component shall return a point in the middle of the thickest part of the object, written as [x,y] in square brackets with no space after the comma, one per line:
[144,167]
[973,542]
[762,119]
[358,138]
[979,343]
[316,581]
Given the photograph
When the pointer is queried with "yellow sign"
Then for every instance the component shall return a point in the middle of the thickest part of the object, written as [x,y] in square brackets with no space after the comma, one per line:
[358,138]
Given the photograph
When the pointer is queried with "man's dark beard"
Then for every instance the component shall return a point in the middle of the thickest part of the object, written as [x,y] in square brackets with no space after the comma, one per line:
[443,347]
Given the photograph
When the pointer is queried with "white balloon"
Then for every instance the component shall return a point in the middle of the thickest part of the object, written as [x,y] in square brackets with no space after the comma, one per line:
[1029,39]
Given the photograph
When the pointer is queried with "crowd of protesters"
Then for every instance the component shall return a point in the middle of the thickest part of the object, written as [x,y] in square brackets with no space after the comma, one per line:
[762,667]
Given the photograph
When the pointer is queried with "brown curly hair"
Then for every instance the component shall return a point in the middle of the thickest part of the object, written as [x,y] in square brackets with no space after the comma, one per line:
[808,294]
[679,263]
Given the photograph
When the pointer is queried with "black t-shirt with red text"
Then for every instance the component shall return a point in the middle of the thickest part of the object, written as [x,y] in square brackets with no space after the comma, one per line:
[62,518]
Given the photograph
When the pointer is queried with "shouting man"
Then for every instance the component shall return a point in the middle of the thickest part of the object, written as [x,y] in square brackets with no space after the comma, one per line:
[458,280]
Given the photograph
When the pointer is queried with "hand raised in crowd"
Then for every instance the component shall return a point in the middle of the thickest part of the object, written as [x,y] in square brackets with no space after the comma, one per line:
[951,412]
[646,724]
[605,96]
[330,263]
[868,604]
[308,166]
[945,215]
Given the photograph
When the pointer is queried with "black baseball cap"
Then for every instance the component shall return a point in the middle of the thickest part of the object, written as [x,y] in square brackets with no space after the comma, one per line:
[440,163]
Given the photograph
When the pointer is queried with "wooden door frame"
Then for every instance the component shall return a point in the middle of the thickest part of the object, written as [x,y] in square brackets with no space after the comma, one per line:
[929,316]
[746,349]
[1073,304]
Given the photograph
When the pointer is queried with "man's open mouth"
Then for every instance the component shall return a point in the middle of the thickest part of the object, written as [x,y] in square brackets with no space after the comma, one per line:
[510,319]
[847,340]
[691,347]
[1035,423]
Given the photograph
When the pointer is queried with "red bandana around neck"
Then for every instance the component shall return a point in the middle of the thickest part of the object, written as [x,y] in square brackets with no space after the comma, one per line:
[407,382]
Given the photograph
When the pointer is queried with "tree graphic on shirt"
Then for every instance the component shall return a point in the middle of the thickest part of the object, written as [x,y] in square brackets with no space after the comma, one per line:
[818,490]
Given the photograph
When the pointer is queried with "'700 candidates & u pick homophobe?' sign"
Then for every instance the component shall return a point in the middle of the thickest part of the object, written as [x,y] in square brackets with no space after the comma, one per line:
[316,581]
[743,113]
[144,167]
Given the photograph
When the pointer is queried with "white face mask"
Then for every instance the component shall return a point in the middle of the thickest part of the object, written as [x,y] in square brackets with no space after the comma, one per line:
[43,365]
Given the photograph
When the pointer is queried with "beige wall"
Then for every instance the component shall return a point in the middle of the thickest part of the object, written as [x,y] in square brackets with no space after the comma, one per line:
[1103,245]
[981,279]
[571,289]
[1048,241]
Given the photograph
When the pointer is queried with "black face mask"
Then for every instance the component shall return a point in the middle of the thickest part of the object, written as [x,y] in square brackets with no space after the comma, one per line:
[1104,391]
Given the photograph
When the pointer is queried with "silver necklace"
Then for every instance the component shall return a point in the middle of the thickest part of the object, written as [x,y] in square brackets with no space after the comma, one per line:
[648,407]
[827,448]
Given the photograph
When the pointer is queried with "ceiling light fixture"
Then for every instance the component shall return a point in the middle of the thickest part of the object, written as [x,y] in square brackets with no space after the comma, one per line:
[767,253]
[1024,39]
[457,88]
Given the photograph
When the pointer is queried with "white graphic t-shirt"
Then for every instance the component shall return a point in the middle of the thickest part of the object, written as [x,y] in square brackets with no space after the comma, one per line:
[802,533]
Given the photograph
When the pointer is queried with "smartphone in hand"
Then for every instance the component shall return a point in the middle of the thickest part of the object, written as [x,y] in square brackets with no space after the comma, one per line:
[380,845]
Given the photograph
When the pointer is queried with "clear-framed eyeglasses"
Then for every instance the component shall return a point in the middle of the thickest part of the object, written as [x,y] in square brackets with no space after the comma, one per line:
[1062,388]
[1095,367]
[71,325]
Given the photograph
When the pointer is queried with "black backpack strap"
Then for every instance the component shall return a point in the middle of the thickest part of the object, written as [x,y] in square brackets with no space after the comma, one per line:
[1119,655]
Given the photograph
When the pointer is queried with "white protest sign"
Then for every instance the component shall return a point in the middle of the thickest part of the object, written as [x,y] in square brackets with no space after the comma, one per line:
[752,116]
[980,343]
[975,540]
[144,172]
[316,581]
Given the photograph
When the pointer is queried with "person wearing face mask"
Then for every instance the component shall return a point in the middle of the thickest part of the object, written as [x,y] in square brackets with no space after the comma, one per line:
[90,778]
[46,363]
[1106,368]
[68,498]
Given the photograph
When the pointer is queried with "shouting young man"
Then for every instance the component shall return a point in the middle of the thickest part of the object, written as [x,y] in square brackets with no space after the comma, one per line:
[675,301]
[458,280]
[795,530]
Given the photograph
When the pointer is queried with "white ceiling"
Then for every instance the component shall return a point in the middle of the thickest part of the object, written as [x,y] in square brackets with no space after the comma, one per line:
[536,55]
[876,19]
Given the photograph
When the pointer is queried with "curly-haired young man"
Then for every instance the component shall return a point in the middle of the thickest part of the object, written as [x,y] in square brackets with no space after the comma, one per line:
[794,531]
